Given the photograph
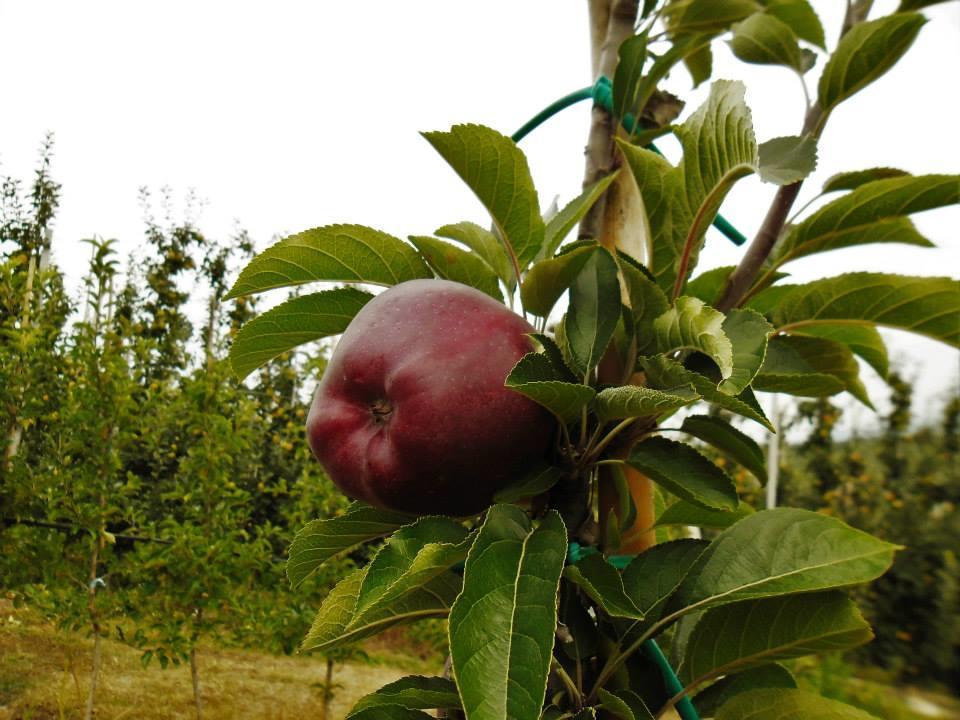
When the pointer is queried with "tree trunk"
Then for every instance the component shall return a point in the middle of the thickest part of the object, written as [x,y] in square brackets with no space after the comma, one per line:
[15,436]
[327,691]
[213,315]
[94,623]
[616,222]
[195,677]
[88,714]
[194,668]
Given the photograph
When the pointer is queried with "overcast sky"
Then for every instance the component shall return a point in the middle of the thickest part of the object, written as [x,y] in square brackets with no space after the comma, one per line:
[288,115]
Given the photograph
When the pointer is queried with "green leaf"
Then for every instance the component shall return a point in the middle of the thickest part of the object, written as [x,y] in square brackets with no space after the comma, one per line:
[786,160]
[906,5]
[766,40]
[335,612]
[643,138]
[601,582]
[536,377]
[690,324]
[416,552]
[719,148]
[452,263]
[667,216]
[864,54]
[390,712]
[655,574]
[408,579]
[625,705]
[811,367]
[801,17]
[765,676]
[632,54]
[647,301]
[853,179]
[732,638]
[631,401]
[683,471]
[496,170]
[485,244]
[664,373]
[703,15]
[503,624]
[536,482]
[555,356]
[780,552]
[735,444]
[594,311]
[873,213]
[787,704]
[684,513]
[708,285]
[681,48]
[297,321]
[413,692]
[863,340]
[699,64]
[548,279]
[623,513]
[572,213]
[747,331]
[925,305]
[588,713]
[345,253]
[321,540]
[801,384]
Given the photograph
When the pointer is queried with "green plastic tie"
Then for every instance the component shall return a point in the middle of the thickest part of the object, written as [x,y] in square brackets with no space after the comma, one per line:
[601,92]
[685,708]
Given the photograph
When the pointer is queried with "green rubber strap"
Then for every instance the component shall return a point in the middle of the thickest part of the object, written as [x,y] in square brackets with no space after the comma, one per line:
[602,94]
[575,552]
[684,706]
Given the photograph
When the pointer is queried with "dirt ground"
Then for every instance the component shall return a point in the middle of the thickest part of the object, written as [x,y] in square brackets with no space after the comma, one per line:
[44,675]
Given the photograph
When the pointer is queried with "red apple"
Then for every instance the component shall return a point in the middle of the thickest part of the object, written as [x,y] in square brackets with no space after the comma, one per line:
[412,413]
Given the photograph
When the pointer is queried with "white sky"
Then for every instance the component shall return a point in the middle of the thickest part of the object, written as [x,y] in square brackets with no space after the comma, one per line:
[287,115]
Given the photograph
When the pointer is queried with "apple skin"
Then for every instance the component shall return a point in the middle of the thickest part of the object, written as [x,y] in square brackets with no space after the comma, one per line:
[412,413]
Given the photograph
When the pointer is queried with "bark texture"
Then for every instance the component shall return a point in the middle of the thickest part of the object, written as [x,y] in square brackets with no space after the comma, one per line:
[616,221]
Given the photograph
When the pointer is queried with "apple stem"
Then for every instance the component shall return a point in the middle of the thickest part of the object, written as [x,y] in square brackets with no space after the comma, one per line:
[381,410]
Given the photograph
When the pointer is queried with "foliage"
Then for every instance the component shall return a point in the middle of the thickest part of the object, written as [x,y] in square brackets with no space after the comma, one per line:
[144,492]
[143,487]
[900,485]
[532,634]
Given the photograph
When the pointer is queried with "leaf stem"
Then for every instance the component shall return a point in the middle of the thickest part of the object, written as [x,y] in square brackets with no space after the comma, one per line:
[806,92]
[701,219]
[742,278]
[760,248]
[568,683]
[601,446]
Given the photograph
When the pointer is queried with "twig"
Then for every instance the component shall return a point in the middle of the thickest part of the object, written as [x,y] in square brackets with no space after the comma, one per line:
[79,528]
[742,278]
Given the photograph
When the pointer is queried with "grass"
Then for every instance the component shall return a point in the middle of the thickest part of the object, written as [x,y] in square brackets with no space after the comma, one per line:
[44,675]
[873,690]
